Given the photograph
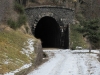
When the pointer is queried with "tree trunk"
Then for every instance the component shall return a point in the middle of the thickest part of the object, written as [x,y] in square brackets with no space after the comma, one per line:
[89,48]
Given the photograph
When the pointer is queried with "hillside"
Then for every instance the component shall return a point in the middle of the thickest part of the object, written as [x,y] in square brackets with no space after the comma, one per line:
[19,49]
[16,37]
[12,44]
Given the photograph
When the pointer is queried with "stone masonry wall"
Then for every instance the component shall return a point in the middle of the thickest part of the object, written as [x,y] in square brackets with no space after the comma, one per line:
[63,16]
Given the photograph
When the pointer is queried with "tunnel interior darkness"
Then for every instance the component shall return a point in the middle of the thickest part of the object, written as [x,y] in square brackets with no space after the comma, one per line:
[48,31]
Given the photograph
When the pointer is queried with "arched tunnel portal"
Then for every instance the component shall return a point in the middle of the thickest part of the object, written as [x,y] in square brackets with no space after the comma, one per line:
[51,24]
[49,31]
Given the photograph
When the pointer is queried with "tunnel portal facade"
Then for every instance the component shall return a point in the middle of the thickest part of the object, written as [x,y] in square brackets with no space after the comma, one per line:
[51,25]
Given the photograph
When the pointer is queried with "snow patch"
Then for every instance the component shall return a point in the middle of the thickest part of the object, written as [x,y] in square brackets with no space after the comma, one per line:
[94,51]
[67,62]
[17,70]
[28,49]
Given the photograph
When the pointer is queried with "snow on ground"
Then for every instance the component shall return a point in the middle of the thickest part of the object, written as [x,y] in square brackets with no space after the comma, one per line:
[17,70]
[67,62]
[28,50]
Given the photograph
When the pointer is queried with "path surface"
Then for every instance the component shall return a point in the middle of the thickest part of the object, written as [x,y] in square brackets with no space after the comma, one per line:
[67,62]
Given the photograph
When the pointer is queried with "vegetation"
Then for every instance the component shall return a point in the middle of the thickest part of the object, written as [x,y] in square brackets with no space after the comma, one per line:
[87,13]
[21,20]
[76,38]
[23,2]
[90,30]
[12,24]
[11,43]
[19,8]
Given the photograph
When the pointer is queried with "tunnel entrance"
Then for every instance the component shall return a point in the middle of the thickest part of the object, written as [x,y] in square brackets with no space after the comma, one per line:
[49,32]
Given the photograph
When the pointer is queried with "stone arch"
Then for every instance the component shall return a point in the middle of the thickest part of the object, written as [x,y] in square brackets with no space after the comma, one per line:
[63,16]
[48,30]
[46,14]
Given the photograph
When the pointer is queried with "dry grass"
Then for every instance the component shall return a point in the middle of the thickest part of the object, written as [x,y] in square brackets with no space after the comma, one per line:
[11,43]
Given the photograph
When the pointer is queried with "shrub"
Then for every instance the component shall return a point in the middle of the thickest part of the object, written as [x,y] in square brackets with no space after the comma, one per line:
[21,20]
[90,30]
[12,23]
[19,8]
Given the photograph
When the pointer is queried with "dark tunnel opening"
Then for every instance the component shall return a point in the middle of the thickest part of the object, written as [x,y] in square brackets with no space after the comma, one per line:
[66,38]
[49,32]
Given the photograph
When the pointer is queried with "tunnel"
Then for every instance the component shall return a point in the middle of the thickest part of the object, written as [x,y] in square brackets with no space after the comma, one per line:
[48,30]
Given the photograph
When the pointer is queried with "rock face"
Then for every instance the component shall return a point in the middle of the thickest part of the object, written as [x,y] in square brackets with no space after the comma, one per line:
[39,53]
[6,7]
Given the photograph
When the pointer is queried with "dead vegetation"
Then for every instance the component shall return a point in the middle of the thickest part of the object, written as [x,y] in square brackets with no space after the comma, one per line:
[11,43]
